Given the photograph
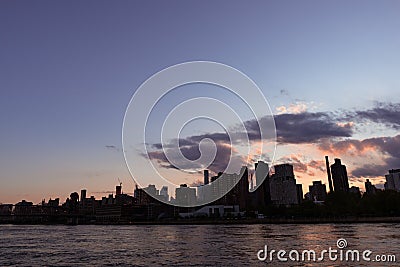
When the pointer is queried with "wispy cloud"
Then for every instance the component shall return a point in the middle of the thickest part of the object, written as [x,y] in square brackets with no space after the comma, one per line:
[112,147]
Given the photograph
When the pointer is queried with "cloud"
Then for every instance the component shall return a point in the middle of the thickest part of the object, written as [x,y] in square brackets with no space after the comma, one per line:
[298,165]
[303,127]
[294,108]
[317,164]
[388,147]
[190,150]
[112,147]
[302,166]
[291,128]
[384,113]
[369,170]
[309,127]
[330,132]
[284,92]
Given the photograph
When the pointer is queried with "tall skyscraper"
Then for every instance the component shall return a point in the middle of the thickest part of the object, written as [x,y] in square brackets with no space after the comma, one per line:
[262,171]
[393,180]
[164,193]
[339,177]
[370,189]
[260,196]
[328,170]
[206,177]
[185,195]
[299,191]
[118,190]
[83,196]
[283,188]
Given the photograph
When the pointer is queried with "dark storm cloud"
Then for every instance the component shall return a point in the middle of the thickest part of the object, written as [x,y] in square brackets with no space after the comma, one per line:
[370,170]
[195,139]
[303,127]
[384,113]
[308,127]
[192,152]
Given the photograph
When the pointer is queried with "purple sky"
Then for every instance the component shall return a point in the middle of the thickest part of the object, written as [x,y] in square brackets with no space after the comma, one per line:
[69,68]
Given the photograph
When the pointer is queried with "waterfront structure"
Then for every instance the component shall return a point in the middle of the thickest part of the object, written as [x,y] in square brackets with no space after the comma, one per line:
[339,176]
[214,211]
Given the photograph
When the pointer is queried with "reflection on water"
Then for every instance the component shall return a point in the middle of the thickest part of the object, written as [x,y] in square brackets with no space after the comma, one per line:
[184,245]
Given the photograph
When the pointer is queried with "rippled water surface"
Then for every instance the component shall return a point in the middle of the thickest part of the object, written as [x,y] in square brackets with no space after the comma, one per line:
[186,245]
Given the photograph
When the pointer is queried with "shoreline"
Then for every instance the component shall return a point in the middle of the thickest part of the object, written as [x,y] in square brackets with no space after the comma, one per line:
[344,220]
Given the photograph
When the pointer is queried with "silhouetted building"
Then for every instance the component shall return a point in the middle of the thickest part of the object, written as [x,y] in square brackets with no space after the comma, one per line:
[185,195]
[370,189]
[339,177]
[5,210]
[355,190]
[261,197]
[317,191]
[24,208]
[54,202]
[206,177]
[299,191]
[24,203]
[261,172]
[283,186]
[328,170]
[393,180]
[164,193]
[142,197]
[110,200]
[151,190]
[238,193]
[118,190]
[83,196]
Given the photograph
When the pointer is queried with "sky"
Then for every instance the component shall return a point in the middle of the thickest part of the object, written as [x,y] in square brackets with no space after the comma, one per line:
[68,70]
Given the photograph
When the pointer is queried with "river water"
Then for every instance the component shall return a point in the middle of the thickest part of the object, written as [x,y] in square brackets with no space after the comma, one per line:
[190,245]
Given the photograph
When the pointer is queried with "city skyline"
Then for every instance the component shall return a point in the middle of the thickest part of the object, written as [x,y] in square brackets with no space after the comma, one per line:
[260,175]
[328,69]
[275,196]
